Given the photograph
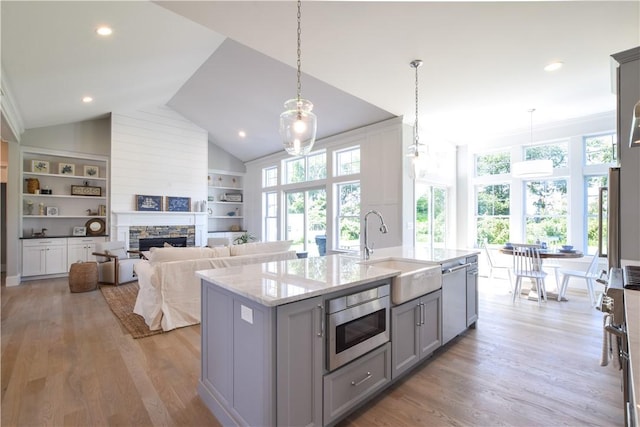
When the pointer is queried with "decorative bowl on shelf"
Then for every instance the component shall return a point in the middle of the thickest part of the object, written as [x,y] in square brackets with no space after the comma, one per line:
[567,247]
[231,213]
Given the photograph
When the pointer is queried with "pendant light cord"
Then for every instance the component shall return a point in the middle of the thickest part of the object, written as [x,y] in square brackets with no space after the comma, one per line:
[299,52]
[417,136]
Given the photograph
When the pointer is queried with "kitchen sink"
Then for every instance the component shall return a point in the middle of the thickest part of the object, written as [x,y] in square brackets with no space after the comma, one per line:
[416,278]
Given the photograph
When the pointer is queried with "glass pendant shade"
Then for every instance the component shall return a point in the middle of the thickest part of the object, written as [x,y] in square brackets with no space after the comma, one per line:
[298,126]
[417,163]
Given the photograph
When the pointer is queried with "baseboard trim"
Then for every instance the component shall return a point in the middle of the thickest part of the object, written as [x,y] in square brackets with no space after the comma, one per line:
[12,280]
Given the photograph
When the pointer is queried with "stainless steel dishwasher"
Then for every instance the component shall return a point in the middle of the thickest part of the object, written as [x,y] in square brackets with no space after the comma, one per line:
[454,299]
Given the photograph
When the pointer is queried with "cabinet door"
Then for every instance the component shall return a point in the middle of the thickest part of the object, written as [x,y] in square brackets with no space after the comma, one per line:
[33,260]
[405,339]
[300,350]
[431,328]
[56,259]
[80,251]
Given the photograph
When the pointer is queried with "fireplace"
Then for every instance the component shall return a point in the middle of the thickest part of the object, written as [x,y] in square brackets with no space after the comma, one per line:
[131,226]
[158,242]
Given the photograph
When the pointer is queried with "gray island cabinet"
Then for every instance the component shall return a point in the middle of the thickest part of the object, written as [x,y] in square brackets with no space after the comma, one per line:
[265,346]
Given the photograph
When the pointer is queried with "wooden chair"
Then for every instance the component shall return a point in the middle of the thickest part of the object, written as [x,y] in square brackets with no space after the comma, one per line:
[114,264]
[493,265]
[527,264]
[589,276]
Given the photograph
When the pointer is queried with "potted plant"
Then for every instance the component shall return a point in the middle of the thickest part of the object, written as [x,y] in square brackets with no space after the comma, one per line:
[243,238]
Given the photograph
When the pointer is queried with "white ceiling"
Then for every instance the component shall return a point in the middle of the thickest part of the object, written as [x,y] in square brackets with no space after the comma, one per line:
[229,65]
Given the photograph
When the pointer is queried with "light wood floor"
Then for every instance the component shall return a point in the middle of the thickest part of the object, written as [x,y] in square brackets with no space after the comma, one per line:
[66,361]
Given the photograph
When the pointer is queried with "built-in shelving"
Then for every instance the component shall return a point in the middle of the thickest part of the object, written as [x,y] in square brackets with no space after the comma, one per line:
[225,201]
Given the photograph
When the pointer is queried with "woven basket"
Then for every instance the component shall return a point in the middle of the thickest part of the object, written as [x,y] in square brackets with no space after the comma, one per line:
[83,277]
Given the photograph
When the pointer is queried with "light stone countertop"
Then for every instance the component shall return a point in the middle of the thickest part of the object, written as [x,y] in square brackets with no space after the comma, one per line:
[281,282]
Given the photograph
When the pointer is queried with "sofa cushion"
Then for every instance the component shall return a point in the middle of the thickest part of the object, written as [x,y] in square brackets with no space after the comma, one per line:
[260,247]
[121,253]
[180,254]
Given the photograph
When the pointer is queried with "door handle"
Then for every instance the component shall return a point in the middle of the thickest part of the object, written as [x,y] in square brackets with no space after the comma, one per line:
[357,383]
[321,314]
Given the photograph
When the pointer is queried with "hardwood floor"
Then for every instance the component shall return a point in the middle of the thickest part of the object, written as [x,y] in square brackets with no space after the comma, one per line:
[66,361]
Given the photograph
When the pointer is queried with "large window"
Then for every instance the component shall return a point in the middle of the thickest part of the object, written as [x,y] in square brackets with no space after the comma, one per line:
[348,161]
[558,152]
[492,215]
[270,216]
[305,218]
[601,149]
[348,221]
[546,211]
[302,169]
[431,215]
[493,163]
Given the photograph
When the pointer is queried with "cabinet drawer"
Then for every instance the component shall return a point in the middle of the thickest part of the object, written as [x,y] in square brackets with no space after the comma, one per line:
[353,383]
[44,242]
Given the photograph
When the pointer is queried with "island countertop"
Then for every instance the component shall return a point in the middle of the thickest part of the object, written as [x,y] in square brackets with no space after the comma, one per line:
[281,282]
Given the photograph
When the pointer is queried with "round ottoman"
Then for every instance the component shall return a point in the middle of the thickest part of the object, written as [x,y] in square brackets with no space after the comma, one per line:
[83,276]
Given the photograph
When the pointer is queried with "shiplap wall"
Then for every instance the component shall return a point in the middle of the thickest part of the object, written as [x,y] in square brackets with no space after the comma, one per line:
[158,152]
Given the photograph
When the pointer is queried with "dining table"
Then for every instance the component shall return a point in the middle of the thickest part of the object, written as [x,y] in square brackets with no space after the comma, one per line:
[548,253]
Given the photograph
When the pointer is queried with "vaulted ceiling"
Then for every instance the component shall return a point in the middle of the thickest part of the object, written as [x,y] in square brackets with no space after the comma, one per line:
[229,66]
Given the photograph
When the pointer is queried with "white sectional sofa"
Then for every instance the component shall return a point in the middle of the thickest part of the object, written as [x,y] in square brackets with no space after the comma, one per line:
[169,295]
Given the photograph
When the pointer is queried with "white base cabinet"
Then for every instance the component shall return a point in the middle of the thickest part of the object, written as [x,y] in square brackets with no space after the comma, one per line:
[80,249]
[44,256]
[55,255]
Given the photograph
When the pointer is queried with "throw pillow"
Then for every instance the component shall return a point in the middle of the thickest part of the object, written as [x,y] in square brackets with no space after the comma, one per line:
[120,253]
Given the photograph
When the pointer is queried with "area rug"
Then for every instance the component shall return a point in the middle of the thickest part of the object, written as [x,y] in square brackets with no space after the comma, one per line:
[121,300]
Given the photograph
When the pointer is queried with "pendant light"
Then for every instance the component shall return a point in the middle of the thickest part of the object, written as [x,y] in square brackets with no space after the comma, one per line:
[297,123]
[532,168]
[417,155]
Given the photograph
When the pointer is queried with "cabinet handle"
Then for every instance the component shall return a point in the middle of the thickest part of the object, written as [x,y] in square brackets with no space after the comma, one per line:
[418,314]
[321,314]
[422,313]
[357,383]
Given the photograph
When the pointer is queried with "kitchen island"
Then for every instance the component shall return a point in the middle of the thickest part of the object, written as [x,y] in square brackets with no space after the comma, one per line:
[267,335]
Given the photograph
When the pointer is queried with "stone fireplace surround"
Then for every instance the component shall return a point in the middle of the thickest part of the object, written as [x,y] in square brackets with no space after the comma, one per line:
[129,226]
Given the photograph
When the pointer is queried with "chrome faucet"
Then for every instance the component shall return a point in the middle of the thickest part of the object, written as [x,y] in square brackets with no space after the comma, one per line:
[383,229]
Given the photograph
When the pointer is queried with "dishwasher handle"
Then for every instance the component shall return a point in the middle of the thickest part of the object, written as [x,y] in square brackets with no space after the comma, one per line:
[456,268]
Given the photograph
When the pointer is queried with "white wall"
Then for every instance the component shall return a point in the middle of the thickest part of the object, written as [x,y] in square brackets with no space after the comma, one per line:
[158,152]
[222,160]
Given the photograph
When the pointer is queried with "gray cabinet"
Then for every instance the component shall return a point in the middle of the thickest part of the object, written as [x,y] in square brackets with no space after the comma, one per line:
[416,331]
[300,349]
[238,346]
[253,375]
[344,388]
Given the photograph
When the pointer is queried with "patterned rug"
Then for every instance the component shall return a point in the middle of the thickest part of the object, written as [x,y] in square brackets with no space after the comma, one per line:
[121,300]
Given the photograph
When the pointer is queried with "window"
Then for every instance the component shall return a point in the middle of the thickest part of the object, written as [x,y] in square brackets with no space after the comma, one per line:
[348,222]
[302,169]
[270,177]
[600,149]
[493,163]
[557,152]
[348,161]
[546,211]
[492,213]
[592,202]
[305,218]
[270,216]
[431,215]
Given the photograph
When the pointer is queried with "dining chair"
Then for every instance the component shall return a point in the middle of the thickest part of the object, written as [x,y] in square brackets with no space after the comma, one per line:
[527,264]
[493,265]
[590,276]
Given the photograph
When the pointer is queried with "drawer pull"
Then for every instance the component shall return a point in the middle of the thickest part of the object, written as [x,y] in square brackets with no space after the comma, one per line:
[357,383]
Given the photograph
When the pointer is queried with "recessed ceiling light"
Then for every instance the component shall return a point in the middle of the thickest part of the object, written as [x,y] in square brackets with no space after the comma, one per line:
[553,66]
[104,31]
[87,99]
[242,134]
